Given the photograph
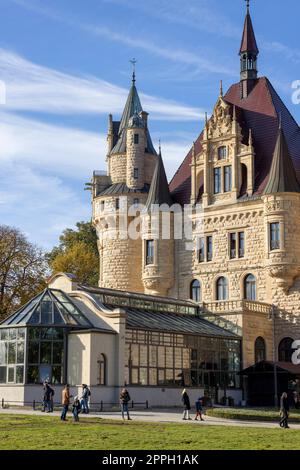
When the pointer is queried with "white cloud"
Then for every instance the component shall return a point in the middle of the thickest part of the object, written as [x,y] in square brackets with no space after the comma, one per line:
[31,87]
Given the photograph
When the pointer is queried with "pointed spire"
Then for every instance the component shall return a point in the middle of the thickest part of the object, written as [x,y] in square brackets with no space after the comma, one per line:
[248,43]
[159,192]
[282,177]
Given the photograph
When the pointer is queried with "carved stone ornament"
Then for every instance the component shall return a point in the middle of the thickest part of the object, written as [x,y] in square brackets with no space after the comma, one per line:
[220,123]
[284,275]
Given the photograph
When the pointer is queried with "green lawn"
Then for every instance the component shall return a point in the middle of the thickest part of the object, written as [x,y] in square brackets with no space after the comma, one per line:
[252,414]
[47,432]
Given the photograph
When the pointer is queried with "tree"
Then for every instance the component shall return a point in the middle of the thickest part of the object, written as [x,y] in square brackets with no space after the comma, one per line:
[77,253]
[23,270]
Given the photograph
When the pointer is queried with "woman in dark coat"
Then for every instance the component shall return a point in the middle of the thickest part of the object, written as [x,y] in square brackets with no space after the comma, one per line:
[284,411]
[187,405]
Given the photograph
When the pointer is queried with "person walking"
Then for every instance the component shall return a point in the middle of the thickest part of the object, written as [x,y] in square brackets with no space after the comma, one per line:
[284,411]
[48,398]
[124,400]
[65,400]
[199,409]
[84,401]
[76,408]
[187,405]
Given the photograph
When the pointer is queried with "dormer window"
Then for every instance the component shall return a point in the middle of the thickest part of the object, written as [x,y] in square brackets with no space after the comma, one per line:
[222,153]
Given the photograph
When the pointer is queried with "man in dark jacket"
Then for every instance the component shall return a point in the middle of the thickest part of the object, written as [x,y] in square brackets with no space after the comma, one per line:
[284,411]
[187,405]
[124,400]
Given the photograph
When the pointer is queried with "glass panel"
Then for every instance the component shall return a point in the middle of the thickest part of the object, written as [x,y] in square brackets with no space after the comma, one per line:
[161,356]
[57,316]
[11,375]
[3,352]
[58,352]
[169,376]
[143,376]
[34,333]
[21,334]
[3,334]
[19,374]
[161,376]
[134,376]
[45,352]
[152,356]
[3,372]
[152,376]
[46,311]
[45,373]
[11,353]
[135,354]
[57,375]
[33,352]
[143,356]
[35,317]
[20,352]
[12,333]
[33,375]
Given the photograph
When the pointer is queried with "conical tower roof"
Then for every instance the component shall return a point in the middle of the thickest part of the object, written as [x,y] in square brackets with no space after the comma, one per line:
[248,43]
[159,192]
[282,177]
[132,108]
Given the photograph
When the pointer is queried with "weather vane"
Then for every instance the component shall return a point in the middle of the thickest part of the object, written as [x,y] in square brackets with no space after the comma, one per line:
[133,62]
[248,4]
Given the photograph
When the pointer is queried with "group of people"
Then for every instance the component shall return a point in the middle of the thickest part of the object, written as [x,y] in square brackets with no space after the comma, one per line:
[187,407]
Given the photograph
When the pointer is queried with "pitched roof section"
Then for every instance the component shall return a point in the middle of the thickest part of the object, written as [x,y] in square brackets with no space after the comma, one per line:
[282,178]
[132,108]
[260,112]
[248,43]
[159,192]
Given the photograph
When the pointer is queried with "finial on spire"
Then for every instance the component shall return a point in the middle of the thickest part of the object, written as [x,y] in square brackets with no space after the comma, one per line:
[159,147]
[133,62]
[221,88]
[248,5]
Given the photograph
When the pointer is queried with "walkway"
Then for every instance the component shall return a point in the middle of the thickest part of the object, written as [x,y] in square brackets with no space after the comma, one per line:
[159,416]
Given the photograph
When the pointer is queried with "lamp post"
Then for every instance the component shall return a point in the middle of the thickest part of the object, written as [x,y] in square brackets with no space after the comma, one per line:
[274,359]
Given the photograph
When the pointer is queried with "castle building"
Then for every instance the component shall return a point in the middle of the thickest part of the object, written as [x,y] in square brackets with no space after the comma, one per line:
[199,310]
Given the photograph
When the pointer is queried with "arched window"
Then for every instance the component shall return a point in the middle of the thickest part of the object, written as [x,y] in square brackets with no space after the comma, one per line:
[222,153]
[250,63]
[285,350]
[260,350]
[222,288]
[250,287]
[102,365]
[244,62]
[195,293]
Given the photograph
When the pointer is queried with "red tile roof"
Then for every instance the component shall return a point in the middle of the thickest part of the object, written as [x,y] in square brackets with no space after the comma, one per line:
[261,112]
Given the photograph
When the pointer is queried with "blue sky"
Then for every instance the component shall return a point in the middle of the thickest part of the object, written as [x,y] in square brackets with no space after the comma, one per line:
[65,65]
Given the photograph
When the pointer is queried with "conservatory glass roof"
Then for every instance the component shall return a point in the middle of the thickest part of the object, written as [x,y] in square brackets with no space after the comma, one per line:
[51,307]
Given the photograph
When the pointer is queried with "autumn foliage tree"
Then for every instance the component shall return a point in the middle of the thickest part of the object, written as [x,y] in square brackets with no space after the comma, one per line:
[23,270]
[77,253]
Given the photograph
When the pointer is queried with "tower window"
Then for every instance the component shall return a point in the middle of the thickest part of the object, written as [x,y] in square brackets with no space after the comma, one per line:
[117,204]
[275,236]
[227,179]
[217,180]
[149,252]
[136,139]
[222,153]
[136,202]
[136,173]
[102,206]
[195,293]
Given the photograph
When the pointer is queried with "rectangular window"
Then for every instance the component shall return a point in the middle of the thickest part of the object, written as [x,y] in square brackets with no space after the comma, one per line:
[241,244]
[232,245]
[209,248]
[117,204]
[136,203]
[149,252]
[222,153]
[102,206]
[136,173]
[136,139]
[275,236]
[227,179]
[217,180]
[201,253]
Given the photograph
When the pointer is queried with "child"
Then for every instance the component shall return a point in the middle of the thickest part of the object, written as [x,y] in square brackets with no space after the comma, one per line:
[199,409]
[76,408]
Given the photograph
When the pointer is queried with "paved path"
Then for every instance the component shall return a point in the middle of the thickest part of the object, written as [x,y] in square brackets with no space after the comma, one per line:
[159,416]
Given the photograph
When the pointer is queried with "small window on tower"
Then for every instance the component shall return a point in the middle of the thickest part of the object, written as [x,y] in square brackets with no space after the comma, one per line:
[117,204]
[136,203]
[136,139]
[222,153]
[136,173]
[149,252]
[102,206]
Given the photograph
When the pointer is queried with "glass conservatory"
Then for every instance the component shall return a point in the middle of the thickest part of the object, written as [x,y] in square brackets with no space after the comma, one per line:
[33,340]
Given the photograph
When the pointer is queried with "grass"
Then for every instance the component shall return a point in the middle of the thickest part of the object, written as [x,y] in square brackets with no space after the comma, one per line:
[19,432]
[251,414]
